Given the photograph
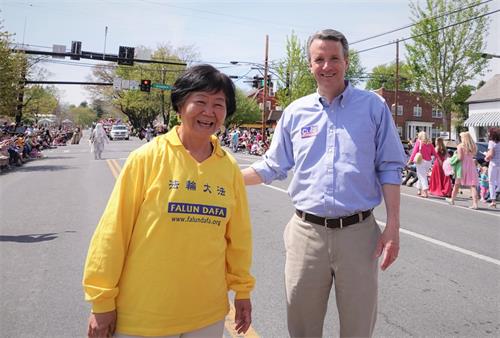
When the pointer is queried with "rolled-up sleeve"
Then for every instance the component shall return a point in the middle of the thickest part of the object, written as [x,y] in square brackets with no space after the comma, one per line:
[389,157]
[278,160]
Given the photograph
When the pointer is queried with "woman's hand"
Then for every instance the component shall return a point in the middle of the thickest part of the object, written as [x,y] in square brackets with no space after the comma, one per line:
[243,316]
[102,324]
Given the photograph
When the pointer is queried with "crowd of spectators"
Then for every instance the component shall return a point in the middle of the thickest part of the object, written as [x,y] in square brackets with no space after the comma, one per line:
[20,143]
[248,141]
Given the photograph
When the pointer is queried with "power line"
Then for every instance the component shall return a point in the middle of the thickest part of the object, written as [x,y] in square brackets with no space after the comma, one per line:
[428,33]
[224,15]
[413,24]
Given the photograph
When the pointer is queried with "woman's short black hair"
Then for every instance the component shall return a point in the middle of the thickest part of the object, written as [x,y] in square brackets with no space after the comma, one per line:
[203,78]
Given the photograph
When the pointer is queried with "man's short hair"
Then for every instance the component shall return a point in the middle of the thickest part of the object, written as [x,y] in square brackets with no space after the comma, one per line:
[328,34]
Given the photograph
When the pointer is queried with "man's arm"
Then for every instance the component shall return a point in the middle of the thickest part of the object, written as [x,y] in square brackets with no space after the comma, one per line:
[251,177]
[388,243]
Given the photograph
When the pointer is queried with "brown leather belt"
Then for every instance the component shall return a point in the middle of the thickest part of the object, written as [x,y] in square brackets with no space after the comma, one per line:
[333,223]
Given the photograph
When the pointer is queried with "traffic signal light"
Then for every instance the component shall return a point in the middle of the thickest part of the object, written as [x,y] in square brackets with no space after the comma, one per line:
[126,56]
[258,82]
[76,50]
[255,82]
[145,85]
[269,81]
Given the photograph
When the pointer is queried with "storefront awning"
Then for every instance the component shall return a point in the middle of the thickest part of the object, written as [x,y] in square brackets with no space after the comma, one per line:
[489,119]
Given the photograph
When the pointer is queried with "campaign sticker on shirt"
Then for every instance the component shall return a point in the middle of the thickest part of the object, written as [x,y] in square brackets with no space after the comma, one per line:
[309,131]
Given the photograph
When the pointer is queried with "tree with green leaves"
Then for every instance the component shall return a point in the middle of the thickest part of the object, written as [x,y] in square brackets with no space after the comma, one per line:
[82,115]
[10,75]
[39,100]
[461,108]
[247,111]
[356,71]
[446,49]
[295,78]
[293,73]
[141,108]
[385,76]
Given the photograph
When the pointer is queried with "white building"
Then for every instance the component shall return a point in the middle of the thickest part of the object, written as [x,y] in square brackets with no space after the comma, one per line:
[484,109]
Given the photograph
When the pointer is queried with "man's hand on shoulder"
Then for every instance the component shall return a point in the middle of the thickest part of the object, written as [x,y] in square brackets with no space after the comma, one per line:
[250,176]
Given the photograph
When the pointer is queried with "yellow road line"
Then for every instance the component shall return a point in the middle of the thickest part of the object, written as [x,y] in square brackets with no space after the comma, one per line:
[117,166]
[114,167]
[230,324]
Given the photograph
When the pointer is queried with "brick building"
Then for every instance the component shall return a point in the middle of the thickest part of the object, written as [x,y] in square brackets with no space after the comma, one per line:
[273,112]
[414,114]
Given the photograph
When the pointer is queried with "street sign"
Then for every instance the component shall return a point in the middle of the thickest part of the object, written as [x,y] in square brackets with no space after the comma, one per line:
[125,84]
[117,83]
[58,49]
[134,85]
[161,86]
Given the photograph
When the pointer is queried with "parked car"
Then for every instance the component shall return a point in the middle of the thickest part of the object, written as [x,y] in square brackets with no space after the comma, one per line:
[119,132]
[482,148]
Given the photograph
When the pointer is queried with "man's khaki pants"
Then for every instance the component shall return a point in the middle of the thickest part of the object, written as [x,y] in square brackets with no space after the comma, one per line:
[316,257]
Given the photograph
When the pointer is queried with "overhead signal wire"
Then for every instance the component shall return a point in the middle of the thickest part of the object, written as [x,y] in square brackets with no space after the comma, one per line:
[416,23]
[427,33]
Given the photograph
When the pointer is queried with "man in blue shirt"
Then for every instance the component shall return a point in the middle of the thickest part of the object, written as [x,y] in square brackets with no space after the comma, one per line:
[345,151]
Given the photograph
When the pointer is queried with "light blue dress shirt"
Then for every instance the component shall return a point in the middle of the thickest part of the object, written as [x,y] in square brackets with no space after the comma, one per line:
[341,152]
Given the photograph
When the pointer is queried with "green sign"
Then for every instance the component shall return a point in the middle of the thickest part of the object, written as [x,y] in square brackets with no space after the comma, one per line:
[161,86]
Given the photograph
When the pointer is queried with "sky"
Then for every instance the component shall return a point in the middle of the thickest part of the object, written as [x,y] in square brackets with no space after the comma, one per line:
[220,31]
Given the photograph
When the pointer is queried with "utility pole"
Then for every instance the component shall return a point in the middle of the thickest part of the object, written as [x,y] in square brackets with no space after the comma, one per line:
[20,95]
[105,38]
[264,96]
[396,88]
[165,118]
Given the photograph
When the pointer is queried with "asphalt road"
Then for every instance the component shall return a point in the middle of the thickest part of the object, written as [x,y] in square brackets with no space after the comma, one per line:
[444,284]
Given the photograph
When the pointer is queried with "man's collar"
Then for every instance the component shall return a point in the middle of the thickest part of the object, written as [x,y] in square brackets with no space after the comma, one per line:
[343,98]
[173,138]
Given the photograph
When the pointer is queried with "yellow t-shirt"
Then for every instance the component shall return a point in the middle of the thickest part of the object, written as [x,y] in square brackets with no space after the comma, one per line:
[173,239]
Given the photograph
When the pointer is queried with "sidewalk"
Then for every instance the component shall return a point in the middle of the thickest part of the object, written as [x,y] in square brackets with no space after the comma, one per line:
[463,199]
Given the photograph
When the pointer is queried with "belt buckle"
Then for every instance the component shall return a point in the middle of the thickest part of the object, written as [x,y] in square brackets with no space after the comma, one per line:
[303,216]
[341,222]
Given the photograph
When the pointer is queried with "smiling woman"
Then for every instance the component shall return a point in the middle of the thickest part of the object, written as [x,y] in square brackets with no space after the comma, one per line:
[176,234]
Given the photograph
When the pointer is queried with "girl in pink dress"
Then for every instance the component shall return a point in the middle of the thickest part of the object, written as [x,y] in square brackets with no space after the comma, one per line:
[469,177]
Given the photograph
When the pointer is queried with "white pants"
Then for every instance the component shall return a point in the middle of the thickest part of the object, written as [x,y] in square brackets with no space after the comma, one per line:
[212,331]
[494,179]
[422,170]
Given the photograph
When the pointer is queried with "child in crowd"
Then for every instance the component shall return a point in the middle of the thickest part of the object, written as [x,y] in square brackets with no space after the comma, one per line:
[483,183]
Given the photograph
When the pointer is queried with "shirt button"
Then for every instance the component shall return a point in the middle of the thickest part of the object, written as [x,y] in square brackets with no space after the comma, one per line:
[330,150]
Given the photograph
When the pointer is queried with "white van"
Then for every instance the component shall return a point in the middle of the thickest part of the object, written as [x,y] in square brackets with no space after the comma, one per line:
[119,132]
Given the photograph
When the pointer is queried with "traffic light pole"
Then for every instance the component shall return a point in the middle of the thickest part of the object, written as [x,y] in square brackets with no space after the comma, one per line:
[264,96]
[96,56]
[70,83]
